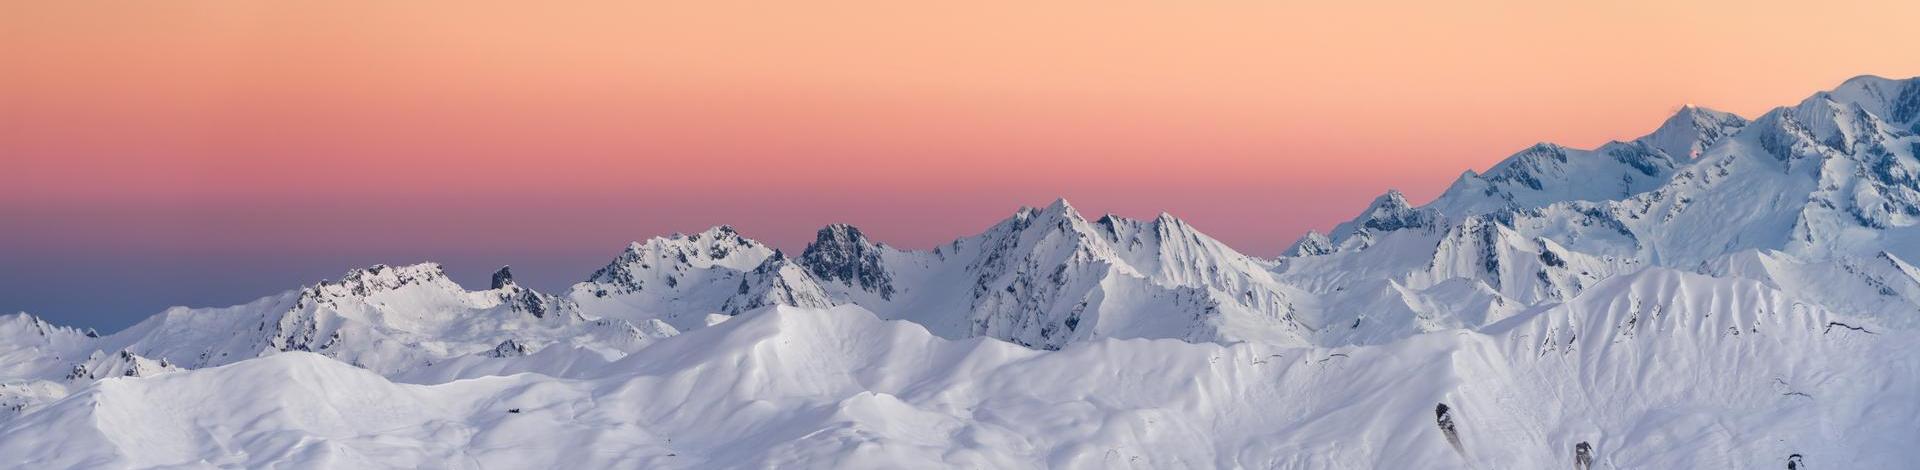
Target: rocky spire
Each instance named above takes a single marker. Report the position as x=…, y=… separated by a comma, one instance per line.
x=839, y=252
x=503, y=277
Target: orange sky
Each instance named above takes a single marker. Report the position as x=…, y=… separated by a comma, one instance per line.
x=568, y=128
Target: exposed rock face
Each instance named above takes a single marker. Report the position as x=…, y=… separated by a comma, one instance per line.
x=509, y=348
x=840, y=253
x=502, y=278
x=122, y=364
x=1391, y=212
x=665, y=263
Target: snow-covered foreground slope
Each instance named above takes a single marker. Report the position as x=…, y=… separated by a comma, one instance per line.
x=1659, y=369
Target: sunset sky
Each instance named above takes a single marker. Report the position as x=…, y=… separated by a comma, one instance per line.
x=208, y=153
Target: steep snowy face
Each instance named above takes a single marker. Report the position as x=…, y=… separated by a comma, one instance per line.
x=1475, y=271
x=1822, y=178
x=32, y=349
x=1525, y=269
x=1047, y=277
x=1313, y=243
x=1169, y=251
x=1387, y=213
x=1882, y=288
x=681, y=279
x=1459, y=262
x=1044, y=277
x=1548, y=173
x=1830, y=177
x=1864, y=169
x=664, y=263
x=41, y=362
x=1531, y=167
x=1897, y=101
x=1034, y=276
x=776, y=281
x=1689, y=133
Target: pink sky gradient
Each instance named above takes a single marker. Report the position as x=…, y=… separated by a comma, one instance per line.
x=513, y=130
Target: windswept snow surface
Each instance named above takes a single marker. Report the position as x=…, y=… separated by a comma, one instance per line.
x=1659, y=369
x=1721, y=293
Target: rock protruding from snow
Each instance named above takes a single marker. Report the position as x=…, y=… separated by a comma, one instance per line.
x=1897, y=101
x=681, y=279
x=1312, y=244
x=509, y=348
x=664, y=263
x=385, y=318
x=1832, y=178
x=1391, y=212
x=776, y=282
x=122, y=364
x=840, y=253
x=502, y=278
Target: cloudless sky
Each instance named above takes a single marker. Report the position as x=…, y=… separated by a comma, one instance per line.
x=208, y=153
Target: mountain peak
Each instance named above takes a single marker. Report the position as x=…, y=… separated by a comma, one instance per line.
x=1894, y=100
x=1691, y=130
x=1313, y=243
x=503, y=277
x=665, y=259
x=839, y=233
x=841, y=253
x=380, y=278
x=382, y=272
x=717, y=242
x=1388, y=212
x=1391, y=201
x=1869, y=84
x=1060, y=213
x=1528, y=166
x=1832, y=119
x=717, y=233
x=1060, y=206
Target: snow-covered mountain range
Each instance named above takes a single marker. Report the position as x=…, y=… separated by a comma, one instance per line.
x=1722, y=292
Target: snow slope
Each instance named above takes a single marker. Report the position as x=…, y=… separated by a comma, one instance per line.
x=1659, y=369
x=390, y=320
